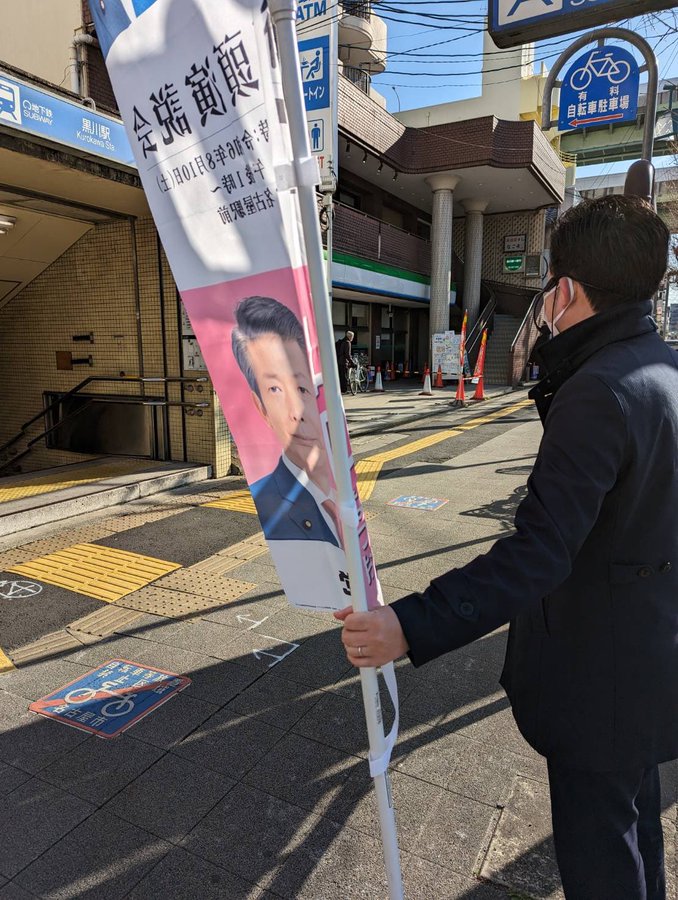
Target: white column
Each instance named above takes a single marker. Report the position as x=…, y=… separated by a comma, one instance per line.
x=473, y=257
x=441, y=251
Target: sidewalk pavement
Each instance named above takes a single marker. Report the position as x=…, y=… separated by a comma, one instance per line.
x=402, y=402
x=253, y=782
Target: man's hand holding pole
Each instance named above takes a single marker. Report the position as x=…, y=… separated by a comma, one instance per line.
x=371, y=638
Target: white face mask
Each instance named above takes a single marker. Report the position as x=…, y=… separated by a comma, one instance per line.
x=555, y=319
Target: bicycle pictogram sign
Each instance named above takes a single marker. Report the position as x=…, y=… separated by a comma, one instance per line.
x=600, y=88
x=107, y=700
x=600, y=64
x=16, y=590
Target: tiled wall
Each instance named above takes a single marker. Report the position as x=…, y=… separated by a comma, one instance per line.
x=92, y=288
x=495, y=229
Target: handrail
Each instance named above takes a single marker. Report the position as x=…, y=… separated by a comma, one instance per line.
x=525, y=338
x=134, y=379
x=531, y=316
x=482, y=320
x=137, y=401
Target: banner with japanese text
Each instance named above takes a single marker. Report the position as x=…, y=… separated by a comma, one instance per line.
x=198, y=86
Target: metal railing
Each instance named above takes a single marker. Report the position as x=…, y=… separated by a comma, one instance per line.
x=12, y=456
x=369, y=238
x=482, y=322
x=525, y=339
x=361, y=78
x=360, y=8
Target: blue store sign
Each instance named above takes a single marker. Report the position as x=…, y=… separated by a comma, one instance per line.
x=46, y=115
x=600, y=88
x=107, y=700
x=314, y=59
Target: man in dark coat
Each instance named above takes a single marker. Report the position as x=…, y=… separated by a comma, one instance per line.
x=345, y=359
x=589, y=579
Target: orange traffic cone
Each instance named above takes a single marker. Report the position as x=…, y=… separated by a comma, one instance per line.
x=378, y=385
x=460, y=398
x=406, y=373
x=423, y=375
x=439, y=377
x=426, y=392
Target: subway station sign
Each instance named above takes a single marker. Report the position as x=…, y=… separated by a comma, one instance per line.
x=515, y=22
x=45, y=115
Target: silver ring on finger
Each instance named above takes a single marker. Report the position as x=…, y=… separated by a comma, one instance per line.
x=360, y=651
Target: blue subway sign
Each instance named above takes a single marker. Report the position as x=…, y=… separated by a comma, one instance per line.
x=46, y=115
x=108, y=700
x=515, y=22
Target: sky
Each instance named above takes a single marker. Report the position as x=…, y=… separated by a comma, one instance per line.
x=435, y=53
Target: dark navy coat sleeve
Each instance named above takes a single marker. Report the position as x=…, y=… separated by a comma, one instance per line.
x=582, y=452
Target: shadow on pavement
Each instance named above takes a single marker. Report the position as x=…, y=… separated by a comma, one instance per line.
x=254, y=779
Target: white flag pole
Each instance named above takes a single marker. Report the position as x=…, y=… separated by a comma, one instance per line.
x=283, y=13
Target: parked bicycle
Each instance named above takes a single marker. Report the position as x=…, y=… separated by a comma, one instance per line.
x=357, y=375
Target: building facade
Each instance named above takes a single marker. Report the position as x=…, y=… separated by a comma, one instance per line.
x=427, y=219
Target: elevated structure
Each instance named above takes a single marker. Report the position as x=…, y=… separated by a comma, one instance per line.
x=615, y=143
x=589, y=187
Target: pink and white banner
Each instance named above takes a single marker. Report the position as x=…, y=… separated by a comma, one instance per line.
x=198, y=86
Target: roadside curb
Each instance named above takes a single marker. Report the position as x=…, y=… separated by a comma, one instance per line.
x=60, y=505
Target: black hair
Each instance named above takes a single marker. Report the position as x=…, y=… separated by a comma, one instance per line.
x=616, y=247
x=255, y=317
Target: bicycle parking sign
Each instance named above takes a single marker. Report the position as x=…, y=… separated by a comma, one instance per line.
x=108, y=700
x=600, y=88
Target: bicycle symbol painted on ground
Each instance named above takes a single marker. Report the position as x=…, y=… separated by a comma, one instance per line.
x=600, y=64
x=120, y=705
x=17, y=590
x=109, y=699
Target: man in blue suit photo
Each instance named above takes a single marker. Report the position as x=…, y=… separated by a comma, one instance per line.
x=296, y=500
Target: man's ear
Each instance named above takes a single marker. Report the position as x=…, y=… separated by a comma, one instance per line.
x=259, y=406
x=568, y=290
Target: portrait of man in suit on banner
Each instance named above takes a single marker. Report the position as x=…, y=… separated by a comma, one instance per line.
x=296, y=500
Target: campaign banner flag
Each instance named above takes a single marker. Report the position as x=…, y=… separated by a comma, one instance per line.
x=198, y=86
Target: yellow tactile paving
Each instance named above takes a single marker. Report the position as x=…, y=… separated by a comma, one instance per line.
x=189, y=597
x=32, y=485
x=6, y=664
x=236, y=501
x=368, y=469
x=104, y=573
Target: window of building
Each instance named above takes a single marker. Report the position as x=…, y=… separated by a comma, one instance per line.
x=348, y=198
x=360, y=315
x=392, y=216
x=424, y=229
x=339, y=313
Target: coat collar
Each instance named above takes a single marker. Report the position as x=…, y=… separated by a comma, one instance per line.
x=565, y=353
